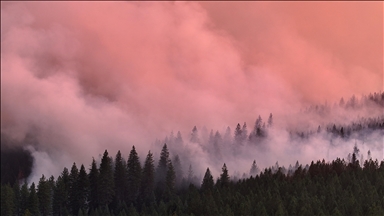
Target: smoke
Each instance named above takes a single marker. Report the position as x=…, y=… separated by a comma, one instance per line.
x=83, y=77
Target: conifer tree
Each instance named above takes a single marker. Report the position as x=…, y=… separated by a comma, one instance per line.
x=161, y=170
x=44, y=195
x=170, y=178
x=24, y=194
x=60, y=196
x=120, y=178
x=134, y=175
x=73, y=190
x=179, y=140
x=258, y=126
x=224, y=177
x=227, y=136
x=16, y=192
x=7, y=200
x=106, y=186
x=208, y=183
x=190, y=174
x=178, y=171
x=270, y=120
x=33, y=200
x=83, y=189
x=254, y=169
x=148, y=179
x=94, y=185
x=244, y=132
x=238, y=134
x=195, y=135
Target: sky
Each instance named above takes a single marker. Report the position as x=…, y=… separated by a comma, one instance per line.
x=83, y=77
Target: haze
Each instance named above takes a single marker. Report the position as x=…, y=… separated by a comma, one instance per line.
x=83, y=77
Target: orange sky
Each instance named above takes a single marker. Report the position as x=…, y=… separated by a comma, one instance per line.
x=337, y=45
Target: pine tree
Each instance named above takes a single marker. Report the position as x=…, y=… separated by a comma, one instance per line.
x=134, y=175
x=161, y=171
x=24, y=194
x=94, y=186
x=254, y=169
x=244, y=132
x=238, y=134
x=16, y=192
x=148, y=179
x=178, y=171
x=106, y=186
x=170, y=178
x=7, y=200
x=73, y=190
x=224, y=177
x=208, y=183
x=179, y=140
x=33, y=200
x=195, y=135
x=120, y=178
x=258, y=126
x=217, y=140
x=60, y=195
x=44, y=195
x=257, y=131
x=227, y=136
x=83, y=188
x=270, y=120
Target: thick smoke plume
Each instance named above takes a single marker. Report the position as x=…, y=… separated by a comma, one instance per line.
x=82, y=77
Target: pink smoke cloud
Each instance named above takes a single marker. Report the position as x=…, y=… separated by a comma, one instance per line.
x=97, y=75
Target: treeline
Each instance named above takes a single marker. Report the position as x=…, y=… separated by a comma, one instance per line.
x=126, y=187
x=375, y=99
x=356, y=129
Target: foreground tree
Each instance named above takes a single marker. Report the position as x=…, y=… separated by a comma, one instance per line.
x=134, y=176
x=33, y=200
x=73, y=190
x=24, y=194
x=161, y=171
x=106, y=186
x=224, y=177
x=83, y=189
x=44, y=195
x=94, y=186
x=208, y=183
x=148, y=180
x=120, y=178
x=7, y=200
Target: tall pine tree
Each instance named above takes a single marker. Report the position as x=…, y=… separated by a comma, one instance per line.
x=134, y=175
x=224, y=177
x=208, y=183
x=44, y=195
x=33, y=200
x=106, y=186
x=161, y=171
x=94, y=186
x=120, y=177
x=148, y=179
x=83, y=189
x=73, y=190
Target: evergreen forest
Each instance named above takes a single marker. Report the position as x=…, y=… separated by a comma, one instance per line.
x=160, y=185
x=126, y=187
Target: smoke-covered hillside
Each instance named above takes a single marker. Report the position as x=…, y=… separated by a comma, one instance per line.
x=357, y=122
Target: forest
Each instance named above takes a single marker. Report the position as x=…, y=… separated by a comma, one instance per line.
x=114, y=185
x=119, y=187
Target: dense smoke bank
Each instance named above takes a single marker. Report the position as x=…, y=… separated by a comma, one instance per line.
x=16, y=162
x=80, y=77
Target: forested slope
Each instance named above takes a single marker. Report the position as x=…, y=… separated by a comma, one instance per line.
x=119, y=187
